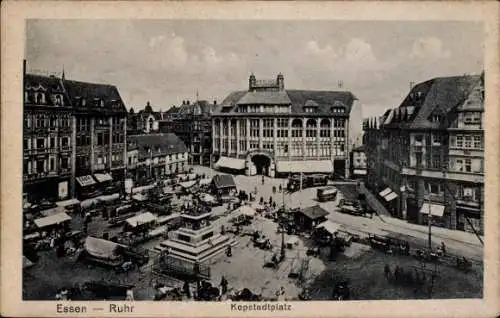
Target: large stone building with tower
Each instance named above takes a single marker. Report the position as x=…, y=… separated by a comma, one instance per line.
x=269, y=130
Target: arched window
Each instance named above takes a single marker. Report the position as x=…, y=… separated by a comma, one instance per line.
x=311, y=128
x=324, y=128
x=150, y=123
x=297, y=128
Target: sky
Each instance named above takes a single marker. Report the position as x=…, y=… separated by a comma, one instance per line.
x=168, y=61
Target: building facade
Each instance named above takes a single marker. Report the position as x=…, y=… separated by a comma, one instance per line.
x=193, y=124
x=358, y=164
x=270, y=130
x=71, y=131
x=427, y=156
x=156, y=155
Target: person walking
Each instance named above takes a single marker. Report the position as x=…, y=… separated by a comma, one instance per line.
x=387, y=271
x=223, y=284
x=262, y=179
x=280, y=188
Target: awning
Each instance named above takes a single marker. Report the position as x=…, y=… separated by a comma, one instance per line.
x=68, y=202
x=85, y=181
x=102, y=177
x=245, y=210
x=306, y=166
x=107, y=198
x=359, y=171
x=231, y=163
x=52, y=220
x=329, y=226
x=101, y=248
x=205, y=181
x=385, y=192
x=391, y=196
x=53, y=211
x=435, y=209
x=187, y=184
x=143, y=188
x=139, y=197
x=143, y=218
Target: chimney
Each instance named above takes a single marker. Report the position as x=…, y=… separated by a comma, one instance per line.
x=187, y=102
x=215, y=102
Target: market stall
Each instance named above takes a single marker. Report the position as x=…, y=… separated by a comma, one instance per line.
x=71, y=205
x=59, y=219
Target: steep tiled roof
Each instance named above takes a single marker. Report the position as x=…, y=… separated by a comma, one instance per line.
x=224, y=181
x=436, y=96
x=93, y=93
x=166, y=144
x=297, y=99
x=314, y=212
x=48, y=84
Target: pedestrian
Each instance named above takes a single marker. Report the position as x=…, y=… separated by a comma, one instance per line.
x=223, y=284
x=58, y=295
x=262, y=179
x=229, y=251
x=443, y=247
x=274, y=189
x=387, y=271
x=129, y=295
x=280, y=188
x=187, y=290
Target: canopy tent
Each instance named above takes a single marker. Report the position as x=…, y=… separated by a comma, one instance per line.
x=139, y=197
x=166, y=218
x=305, y=166
x=205, y=197
x=85, y=181
x=205, y=181
x=245, y=210
x=360, y=172
x=231, y=163
x=258, y=207
x=107, y=198
x=187, y=184
x=222, y=181
x=329, y=226
x=26, y=262
x=143, y=218
x=103, y=177
x=101, y=248
x=143, y=188
x=292, y=240
x=385, y=192
x=391, y=196
x=68, y=202
x=435, y=209
x=52, y=220
x=89, y=202
x=52, y=211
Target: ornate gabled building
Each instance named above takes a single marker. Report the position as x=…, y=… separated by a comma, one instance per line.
x=270, y=130
x=72, y=130
x=426, y=156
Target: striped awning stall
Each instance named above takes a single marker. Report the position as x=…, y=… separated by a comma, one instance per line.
x=103, y=177
x=385, y=192
x=85, y=181
x=306, y=166
x=391, y=196
x=435, y=209
x=231, y=163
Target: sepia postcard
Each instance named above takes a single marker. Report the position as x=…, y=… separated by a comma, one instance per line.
x=249, y=159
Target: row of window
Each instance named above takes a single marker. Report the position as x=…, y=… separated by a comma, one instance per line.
x=469, y=141
x=46, y=143
x=281, y=122
x=46, y=121
x=40, y=98
x=45, y=165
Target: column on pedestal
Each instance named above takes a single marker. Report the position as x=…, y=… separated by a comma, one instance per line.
x=92, y=142
x=125, y=161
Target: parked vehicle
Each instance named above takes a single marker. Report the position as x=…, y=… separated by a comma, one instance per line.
x=308, y=181
x=326, y=194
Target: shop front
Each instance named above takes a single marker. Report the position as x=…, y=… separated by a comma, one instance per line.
x=469, y=219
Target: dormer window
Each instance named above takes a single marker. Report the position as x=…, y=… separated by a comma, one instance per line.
x=58, y=100
x=436, y=118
